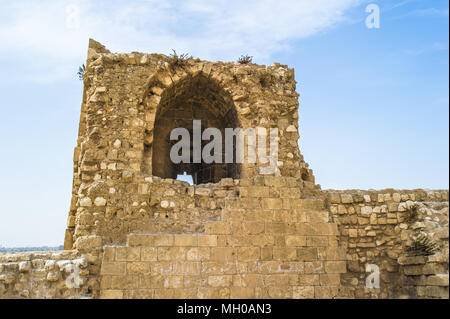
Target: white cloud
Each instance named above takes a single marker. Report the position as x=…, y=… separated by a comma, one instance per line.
x=43, y=34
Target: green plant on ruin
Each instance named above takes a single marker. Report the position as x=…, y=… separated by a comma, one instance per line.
x=178, y=60
x=81, y=71
x=422, y=245
x=245, y=59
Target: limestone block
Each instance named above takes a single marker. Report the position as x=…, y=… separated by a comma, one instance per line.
x=185, y=240
x=217, y=228
x=366, y=210
x=113, y=268
x=330, y=279
x=346, y=198
x=334, y=198
x=111, y=294
x=249, y=253
x=207, y=240
x=88, y=242
x=317, y=241
x=314, y=267
x=331, y=253
x=100, y=201
x=85, y=202
x=138, y=268
x=171, y=253
x=325, y=292
x=307, y=254
x=24, y=266
x=309, y=279
x=220, y=280
x=333, y=267
x=223, y=254
x=272, y=203
x=253, y=228
x=264, y=240
x=295, y=240
x=438, y=280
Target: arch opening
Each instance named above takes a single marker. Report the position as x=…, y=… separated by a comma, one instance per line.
x=193, y=98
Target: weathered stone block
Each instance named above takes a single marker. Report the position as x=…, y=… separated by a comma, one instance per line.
x=346, y=198
x=317, y=217
x=207, y=240
x=214, y=293
x=317, y=241
x=335, y=267
x=307, y=254
x=88, y=242
x=325, y=292
x=438, y=280
x=218, y=228
x=303, y=292
x=309, y=279
x=218, y=268
x=198, y=254
x=224, y=254
x=111, y=294
x=113, y=268
x=138, y=268
x=285, y=254
x=249, y=253
x=262, y=240
x=149, y=254
x=171, y=253
x=253, y=228
x=272, y=203
x=330, y=279
x=295, y=240
x=314, y=267
x=185, y=240
x=334, y=198
x=220, y=281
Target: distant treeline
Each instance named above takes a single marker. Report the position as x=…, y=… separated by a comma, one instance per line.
x=41, y=248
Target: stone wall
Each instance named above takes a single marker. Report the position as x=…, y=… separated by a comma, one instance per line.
x=112, y=210
x=404, y=233
x=61, y=274
x=268, y=242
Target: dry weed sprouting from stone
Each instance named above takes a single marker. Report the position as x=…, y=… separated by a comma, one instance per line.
x=178, y=60
x=422, y=245
x=245, y=59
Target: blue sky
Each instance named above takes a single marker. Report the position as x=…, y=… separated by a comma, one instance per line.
x=373, y=107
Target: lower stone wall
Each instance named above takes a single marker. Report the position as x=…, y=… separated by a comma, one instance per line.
x=403, y=233
x=141, y=203
x=60, y=274
x=267, y=242
x=270, y=252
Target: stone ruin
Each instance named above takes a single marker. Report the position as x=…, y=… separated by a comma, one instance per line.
x=135, y=231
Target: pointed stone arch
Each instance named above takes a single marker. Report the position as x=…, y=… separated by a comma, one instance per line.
x=174, y=98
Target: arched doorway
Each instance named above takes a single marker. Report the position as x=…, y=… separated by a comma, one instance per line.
x=193, y=98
